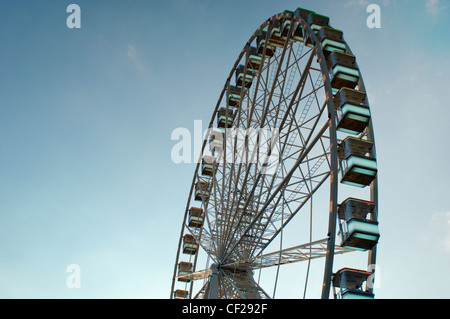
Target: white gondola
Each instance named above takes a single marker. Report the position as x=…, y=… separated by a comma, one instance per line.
x=244, y=77
x=317, y=21
x=275, y=38
x=268, y=50
x=216, y=141
x=234, y=97
x=184, y=269
x=353, y=114
x=348, y=284
x=225, y=118
x=202, y=191
x=344, y=72
x=358, y=229
x=357, y=166
x=180, y=294
x=254, y=60
x=331, y=40
x=195, y=217
x=190, y=245
x=209, y=165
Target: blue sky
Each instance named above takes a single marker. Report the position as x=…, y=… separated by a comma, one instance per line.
x=86, y=117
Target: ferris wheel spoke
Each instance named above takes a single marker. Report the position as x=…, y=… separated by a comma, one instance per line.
x=272, y=90
x=310, y=173
x=284, y=182
x=299, y=87
x=275, y=216
x=312, y=250
x=300, y=202
x=267, y=218
x=212, y=216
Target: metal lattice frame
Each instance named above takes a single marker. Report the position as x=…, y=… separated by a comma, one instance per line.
x=290, y=96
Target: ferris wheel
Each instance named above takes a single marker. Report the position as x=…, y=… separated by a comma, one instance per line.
x=292, y=123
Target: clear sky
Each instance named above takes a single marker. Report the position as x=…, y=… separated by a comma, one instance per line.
x=86, y=117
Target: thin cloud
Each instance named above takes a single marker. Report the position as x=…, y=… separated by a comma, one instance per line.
x=441, y=227
x=432, y=6
x=365, y=3
x=134, y=58
x=357, y=2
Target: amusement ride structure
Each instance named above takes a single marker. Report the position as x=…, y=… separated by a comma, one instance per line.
x=292, y=122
